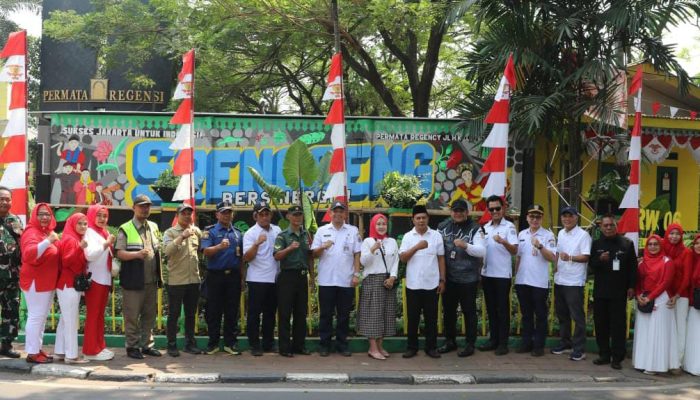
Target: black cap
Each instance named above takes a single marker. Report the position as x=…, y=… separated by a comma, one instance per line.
x=184, y=206
x=338, y=204
x=142, y=199
x=419, y=209
x=261, y=205
x=535, y=209
x=460, y=204
x=569, y=210
x=74, y=137
x=223, y=206
x=295, y=210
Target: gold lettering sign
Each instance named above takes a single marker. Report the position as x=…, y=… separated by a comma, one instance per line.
x=98, y=89
x=100, y=92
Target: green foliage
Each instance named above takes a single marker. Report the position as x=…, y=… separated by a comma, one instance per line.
x=166, y=179
x=611, y=186
x=276, y=193
x=310, y=223
x=299, y=165
x=400, y=191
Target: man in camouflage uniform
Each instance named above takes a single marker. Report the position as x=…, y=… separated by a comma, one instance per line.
x=10, y=230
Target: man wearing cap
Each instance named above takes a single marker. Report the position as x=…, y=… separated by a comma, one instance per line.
x=258, y=246
x=294, y=255
x=536, y=249
x=181, y=244
x=137, y=246
x=337, y=245
x=222, y=244
x=613, y=264
x=465, y=247
x=573, y=251
x=501, y=246
x=423, y=251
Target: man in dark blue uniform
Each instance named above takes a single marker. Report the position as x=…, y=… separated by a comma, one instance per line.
x=222, y=244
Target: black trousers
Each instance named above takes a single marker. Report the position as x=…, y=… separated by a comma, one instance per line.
x=497, y=296
x=425, y=301
x=568, y=303
x=223, y=299
x=179, y=295
x=463, y=294
x=262, y=299
x=292, y=302
x=338, y=299
x=533, y=307
x=610, y=319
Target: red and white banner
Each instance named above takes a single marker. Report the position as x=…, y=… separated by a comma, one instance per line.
x=337, y=187
x=184, y=140
x=14, y=151
x=629, y=222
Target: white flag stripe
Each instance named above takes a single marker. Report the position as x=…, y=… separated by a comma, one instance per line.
x=335, y=186
x=498, y=138
x=182, y=192
x=181, y=92
x=13, y=69
x=495, y=185
x=635, y=148
x=13, y=178
x=338, y=136
x=638, y=101
x=182, y=138
x=502, y=93
x=634, y=237
x=16, y=125
x=674, y=111
x=631, y=198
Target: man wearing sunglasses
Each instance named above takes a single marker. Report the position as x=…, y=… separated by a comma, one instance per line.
x=501, y=246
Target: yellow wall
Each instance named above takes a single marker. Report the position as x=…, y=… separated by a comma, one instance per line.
x=4, y=97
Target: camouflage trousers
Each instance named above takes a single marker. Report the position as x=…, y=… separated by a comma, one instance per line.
x=9, y=305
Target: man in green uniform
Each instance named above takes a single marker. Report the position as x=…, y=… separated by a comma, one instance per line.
x=293, y=252
x=10, y=230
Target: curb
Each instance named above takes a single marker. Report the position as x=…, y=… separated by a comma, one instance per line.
x=253, y=377
x=442, y=379
x=317, y=378
x=492, y=378
x=186, y=378
x=380, y=378
x=119, y=376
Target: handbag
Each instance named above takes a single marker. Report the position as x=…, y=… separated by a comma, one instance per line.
x=647, y=308
x=696, y=298
x=81, y=282
x=386, y=268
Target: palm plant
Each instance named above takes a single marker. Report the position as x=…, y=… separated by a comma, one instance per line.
x=568, y=55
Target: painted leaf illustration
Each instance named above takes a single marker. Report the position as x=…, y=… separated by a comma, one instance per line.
x=299, y=165
x=324, y=175
x=106, y=167
x=312, y=137
x=276, y=193
x=280, y=137
x=449, y=149
x=242, y=226
x=229, y=139
x=117, y=150
x=63, y=213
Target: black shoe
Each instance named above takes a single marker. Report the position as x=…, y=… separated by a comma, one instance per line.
x=488, y=346
x=344, y=351
x=213, y=349
x=601, y=361
x=286, y=354
x=134, y=353
x=256, y=352
x=272, y=349
x=173, y=351
x=150, y=351
x=447, y=347
x=616, y=365
x=524, y=349
x=303, y=352
x=432, y=353
x=323, y=352
x=501, y=351
x=410, y=353
x=537, y=352
x=6, y=350
x=468, y=351
x=192, y=348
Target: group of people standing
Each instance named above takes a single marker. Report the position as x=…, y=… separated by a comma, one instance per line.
x=277, y=267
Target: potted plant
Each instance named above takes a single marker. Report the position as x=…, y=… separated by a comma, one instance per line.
x=400, y=191
x=165, y=185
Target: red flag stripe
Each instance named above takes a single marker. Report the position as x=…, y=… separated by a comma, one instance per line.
x=16, y=44
x=183, y=115
x=496, y=162
x=18, y=98
x=336, y=114
x=636, y=81
x=629, y=222
x=510, y=73
x=183, y=162
x=337, y=161
x=336, y=67
x=14, y=150
x=498, y=113
x=19, y=202
x=634, y=172
x=187, y=65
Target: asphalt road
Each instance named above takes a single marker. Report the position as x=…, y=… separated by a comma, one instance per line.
x=24, y=387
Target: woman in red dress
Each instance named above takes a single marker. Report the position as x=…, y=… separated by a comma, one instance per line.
x=680, y=295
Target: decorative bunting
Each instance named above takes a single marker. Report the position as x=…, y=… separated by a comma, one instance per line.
x=655, y=107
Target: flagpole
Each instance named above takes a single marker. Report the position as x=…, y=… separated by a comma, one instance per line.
x=192, y=135
x=336, y=45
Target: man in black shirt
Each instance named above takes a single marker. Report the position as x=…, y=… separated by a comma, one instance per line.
x=613, y=264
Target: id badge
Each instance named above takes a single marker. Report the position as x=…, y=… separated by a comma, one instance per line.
x=616, y=264
x=238, y=251
x=346, y=248
x=453, y=255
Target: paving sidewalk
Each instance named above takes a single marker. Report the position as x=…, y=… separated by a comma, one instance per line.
x=481, y=368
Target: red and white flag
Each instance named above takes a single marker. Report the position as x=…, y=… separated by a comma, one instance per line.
x=14, y=152
x=184, y=140
x=499, y=116
x=629, y=222
x=337, y=187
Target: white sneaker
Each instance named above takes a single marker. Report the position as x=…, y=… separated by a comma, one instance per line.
x=104, y=355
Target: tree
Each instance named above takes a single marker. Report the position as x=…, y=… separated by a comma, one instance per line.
x=567, y=56
x=273, y=55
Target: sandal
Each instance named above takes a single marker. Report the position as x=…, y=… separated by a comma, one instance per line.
x=384, y=353
x=376, y=356
x=38, y=359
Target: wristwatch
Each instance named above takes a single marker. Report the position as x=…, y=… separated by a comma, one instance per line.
x=540, y=246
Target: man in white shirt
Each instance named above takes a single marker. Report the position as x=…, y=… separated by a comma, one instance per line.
x=337, y=246
x=423, y=251
x=536, y=249
x=258, y=245
x=573, y=252
x=501, y=246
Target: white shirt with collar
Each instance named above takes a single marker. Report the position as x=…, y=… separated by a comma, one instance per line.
x=263, y=268
x=373, y=263
x=575, y=242
x=533, y=269
x=335, y=266
x=499, y=262
x=423, y=270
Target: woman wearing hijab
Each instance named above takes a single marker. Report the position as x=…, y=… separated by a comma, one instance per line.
x=674, y=249
x=655, y=348
x=73, y=263
x=99, y=257
x=691, y=361
x=37, y=277
x=377, y=311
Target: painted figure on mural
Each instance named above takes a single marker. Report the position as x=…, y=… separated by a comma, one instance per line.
x=72, y=156
x=82, y=188
x=469, y=190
